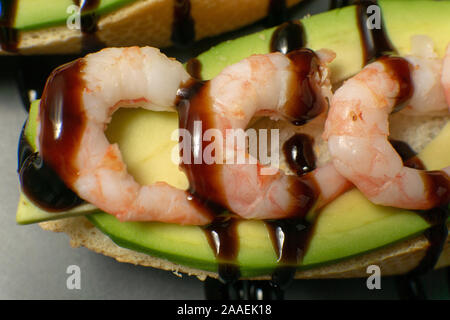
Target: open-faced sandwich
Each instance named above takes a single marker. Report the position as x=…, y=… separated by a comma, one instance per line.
x=350, y=169
x=74, y=26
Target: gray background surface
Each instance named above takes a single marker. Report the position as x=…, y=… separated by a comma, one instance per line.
x=33, y=262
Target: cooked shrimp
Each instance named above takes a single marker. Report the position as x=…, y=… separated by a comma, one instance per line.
x=294, y=88
x=428, y=96
x=357, y=130
x=446, y=75
x=112, y=78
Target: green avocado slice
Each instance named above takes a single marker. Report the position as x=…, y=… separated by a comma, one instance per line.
x=349, y=226
x=36, y=14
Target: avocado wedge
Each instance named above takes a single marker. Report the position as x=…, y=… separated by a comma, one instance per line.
x=349, y=226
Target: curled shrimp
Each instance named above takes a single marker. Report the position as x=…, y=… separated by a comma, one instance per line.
x=294, y=88
x=78, y=102
x=357, y=131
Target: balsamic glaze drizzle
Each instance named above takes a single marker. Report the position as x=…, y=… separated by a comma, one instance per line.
x=290, y=239
x=241, y=290
x=409, y=286
x=24, y=149
x=436, y=236
x=375, y=42
x=40, y=183
x=9, y=37
x=223, y=239
x=43, y=176
x=400, y=70
x=62, y=119
x=408, y=155
x=89, y=25
x=193, y=105
x=288, y=37
x=299, y=153
x=307, y=104
x=183, y=26
x=194, y=68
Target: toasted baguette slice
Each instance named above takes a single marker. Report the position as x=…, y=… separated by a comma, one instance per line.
x=148, y=22
x=398, y=258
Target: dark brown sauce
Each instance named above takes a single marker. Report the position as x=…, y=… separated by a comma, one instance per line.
x=62, y=119
x=194, y=68
x=308, y=192
x=290, y=240
x=223, y=239
x=305, y=103
x=409, y=285
x=438, y=187
x=409, y=288
x=399, y=69
x=89, y=25
x=288, y=37
x=183, y=26
x=408, y=155
x=375, y=42
x=44, y=176
x=299, y=153
x=24, y=149
x=194, y=105
x=222, y=236
x=9, y=37
x=291, y=237
x=241, y=290
x=437, y=182
x=436, y=236
x=87, y=5
x=277, y=12
x=40, y=183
